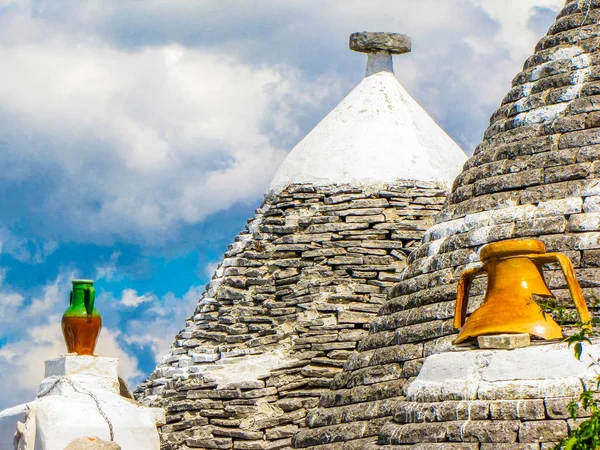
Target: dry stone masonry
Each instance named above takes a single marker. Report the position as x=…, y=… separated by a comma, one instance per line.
x=300, y=285
x=294, y=294
x=536, y=174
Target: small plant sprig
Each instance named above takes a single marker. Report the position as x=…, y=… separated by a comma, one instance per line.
x=560, y=313
x=587, y=435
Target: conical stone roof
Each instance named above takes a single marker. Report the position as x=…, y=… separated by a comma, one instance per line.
x=376, y=135
x=536, y=174
x=297, y=289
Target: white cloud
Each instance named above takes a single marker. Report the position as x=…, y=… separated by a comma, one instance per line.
x=32, y=326
x=163, y=320
x=53, y=294
x=209, y=269
x=19, y=311
x=182, y=129
x=130, y=298
x=513, y=17
x=108, y=271
x=22, y=363
x=153, y=138
x=10, y=303
x=23, y=250
x=109, y=347
x=147, y=138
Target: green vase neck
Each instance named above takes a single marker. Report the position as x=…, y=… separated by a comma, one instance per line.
x=82, y=298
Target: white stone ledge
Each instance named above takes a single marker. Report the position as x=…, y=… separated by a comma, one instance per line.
x=539, y=371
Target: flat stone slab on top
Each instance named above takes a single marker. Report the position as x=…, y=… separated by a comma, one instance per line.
x=91, y=372
x=82, y=364
x=504, y=341
x=370, y=42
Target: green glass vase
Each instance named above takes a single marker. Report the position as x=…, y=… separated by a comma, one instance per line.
x=81, y=322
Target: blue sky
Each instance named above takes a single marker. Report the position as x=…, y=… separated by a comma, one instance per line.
x=136, y=138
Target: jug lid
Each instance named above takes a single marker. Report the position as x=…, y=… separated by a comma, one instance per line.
x=511, y=247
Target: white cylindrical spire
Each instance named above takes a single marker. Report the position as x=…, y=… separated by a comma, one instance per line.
x=379, y=62
x=380, y=47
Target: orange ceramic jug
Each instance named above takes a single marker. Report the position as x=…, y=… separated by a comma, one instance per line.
x=514, y=272
x=81, y=322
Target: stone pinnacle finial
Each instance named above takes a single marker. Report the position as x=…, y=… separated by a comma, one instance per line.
x=380, y=47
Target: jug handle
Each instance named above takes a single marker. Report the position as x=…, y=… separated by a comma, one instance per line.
x=569, y=273
x=462, y=295
x=89, y=299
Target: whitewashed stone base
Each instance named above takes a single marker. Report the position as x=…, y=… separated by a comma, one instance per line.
x=64, y=412
x=541, y=371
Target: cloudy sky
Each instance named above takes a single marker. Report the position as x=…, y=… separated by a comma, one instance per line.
x=136, y=138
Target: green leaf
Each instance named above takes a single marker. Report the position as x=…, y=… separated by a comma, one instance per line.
x=570, y=443
x=578, y=349
x=573, y=409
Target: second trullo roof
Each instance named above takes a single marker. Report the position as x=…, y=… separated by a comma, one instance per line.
x=535, y=175
x=377, y=134
x=295, y=292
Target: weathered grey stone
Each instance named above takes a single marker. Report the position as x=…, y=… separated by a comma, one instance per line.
x=444, y=446
x=459, y=410
x=92, y=443
x=368, y=375
x=504, y=341
x=281, y=432
x=354, y=317
x=317, y=261
x=219, y=443
x=413, y=433
x=368, y=42
x=558, y=408
x=412, y=368
x=542, y=431
x=534, y=175
x=483, y=431
x=373, y=392
x=498, y=446
x=249, y=445
x=529, y=389
x=517, y=410
x=337, y=433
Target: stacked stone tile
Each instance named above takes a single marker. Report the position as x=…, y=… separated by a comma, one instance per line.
x=536, y=174
x=298, y=288
x=294, y=294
